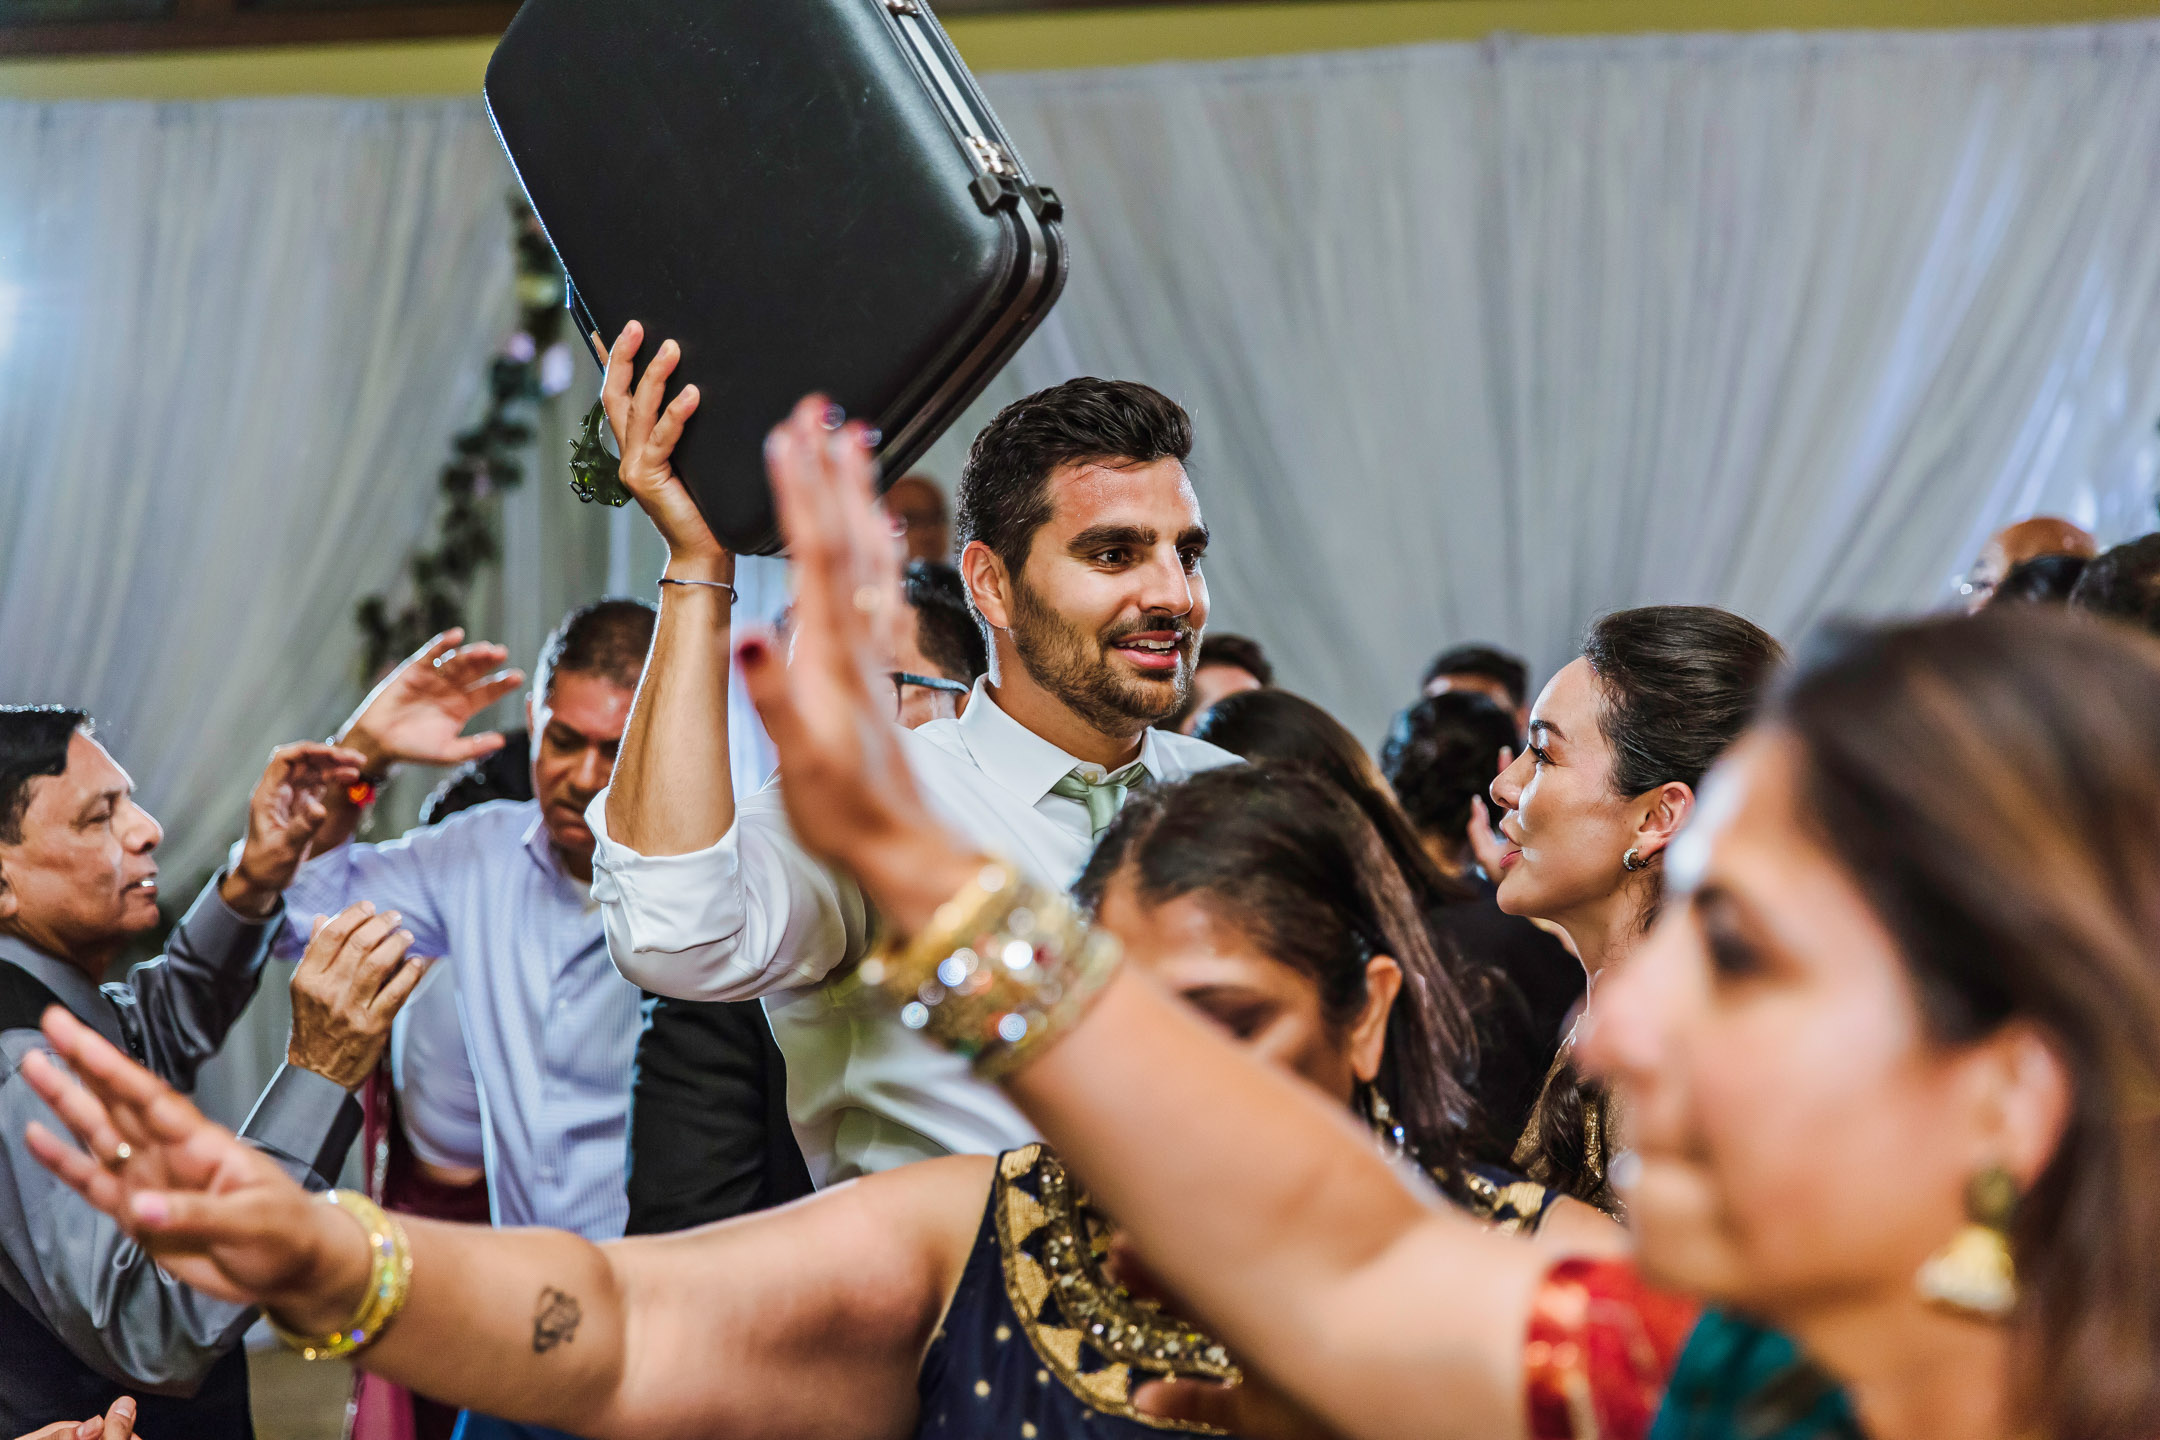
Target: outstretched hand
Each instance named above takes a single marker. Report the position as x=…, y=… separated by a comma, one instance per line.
x=213, y=1212
x=419, y=712
x=646, y=431
x=843, y=775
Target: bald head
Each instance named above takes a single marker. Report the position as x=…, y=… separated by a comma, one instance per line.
x=2013, y=545
x=919, y=506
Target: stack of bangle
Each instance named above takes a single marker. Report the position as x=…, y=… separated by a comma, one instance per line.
x=389, y=1283
x=1004, y=967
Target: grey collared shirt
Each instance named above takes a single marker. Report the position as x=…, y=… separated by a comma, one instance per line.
x=69, y=1264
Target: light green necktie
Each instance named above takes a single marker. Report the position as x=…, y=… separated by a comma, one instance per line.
x=1103, y=798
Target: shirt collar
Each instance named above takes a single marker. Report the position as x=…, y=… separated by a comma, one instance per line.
x=542, y=849
x=77, y=991
x=1018, y=758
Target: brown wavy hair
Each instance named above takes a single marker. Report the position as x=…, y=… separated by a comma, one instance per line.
x=1992, y=785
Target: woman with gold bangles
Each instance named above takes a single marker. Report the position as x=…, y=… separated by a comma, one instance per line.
x=1288, y=928
x=1892, y=1061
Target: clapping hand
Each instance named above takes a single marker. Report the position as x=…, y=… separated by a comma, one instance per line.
x=843, y=775
x=213, y=1212
x=419, y=712
x=285, y=814
x=347, y=988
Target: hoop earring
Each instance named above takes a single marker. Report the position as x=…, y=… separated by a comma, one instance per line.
x=1633, y=862
x=1393, y=1141
x=1975, y=1274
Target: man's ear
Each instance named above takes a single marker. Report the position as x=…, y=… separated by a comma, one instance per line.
x=9, y=902
x=1368, y=1034
x=1664, y=811
x=988, y=584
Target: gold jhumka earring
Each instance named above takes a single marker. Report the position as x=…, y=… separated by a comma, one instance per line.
x=1975, y=1273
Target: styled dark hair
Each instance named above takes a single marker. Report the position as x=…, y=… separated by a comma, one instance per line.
x=946, y=629
x=1487, y=663
x=1274, y=729
x=1004, y=493
x=33, y=743
x=2042, y=580
x=2124, y=584
x=1679, y=682
x=607, y=638
x=1992, y=784
x=1236, y=650
x=1442, y=753
x=1287, y=859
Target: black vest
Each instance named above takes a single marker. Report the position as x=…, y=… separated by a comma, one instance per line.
x=42, y=1381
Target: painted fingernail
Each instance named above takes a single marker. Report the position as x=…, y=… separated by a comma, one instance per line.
x=835, y=417
x=872, y=437
x=151, y=1208
x=751, y=652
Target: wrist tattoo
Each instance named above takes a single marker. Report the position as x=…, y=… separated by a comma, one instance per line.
x=555, y=1319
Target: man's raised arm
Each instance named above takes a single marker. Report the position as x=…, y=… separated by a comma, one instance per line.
x=672, y=792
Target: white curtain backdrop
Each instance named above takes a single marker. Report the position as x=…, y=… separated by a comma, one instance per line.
x=1481, y=341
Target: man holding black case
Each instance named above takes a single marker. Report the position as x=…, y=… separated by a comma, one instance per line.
x=1081, y=545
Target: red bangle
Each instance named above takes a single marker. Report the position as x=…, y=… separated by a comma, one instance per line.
x=1601, y=1347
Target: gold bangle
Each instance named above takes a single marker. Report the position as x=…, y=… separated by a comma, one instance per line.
x=389, y=1283
x=1003, y=968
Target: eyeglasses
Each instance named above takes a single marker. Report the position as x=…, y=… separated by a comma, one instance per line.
x=901, y=679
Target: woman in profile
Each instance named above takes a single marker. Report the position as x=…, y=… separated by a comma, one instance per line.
x=1619, y=742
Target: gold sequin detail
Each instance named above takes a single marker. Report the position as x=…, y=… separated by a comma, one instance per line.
x=1101, y=1341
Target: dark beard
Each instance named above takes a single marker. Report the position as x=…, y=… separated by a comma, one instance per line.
x=1071, y=664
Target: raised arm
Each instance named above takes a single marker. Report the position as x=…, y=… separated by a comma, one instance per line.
x=1259, y=1204
x=672, y=792
x=807, y=1320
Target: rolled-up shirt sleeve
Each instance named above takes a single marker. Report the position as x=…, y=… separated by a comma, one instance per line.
x=748, y=916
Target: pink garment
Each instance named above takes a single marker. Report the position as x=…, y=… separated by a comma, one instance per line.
x=379, y=1409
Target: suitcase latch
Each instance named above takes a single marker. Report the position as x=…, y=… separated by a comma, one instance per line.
x=903, y=7
x=988, y=154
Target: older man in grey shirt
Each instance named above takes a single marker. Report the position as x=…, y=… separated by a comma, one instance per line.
x=85, y=1316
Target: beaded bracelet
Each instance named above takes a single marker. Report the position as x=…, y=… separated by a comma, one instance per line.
x=1004, y=967
x=389, y=1283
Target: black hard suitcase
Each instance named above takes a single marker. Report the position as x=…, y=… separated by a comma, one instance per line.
x=807, y=195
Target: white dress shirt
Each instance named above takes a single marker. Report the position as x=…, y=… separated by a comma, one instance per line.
x=755, y=915
x=550, y=1028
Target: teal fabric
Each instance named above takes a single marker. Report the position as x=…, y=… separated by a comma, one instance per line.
x=1103, y=798
x=1738, y=1381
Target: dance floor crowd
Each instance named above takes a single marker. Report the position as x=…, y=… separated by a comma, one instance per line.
x=1083, y=1036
